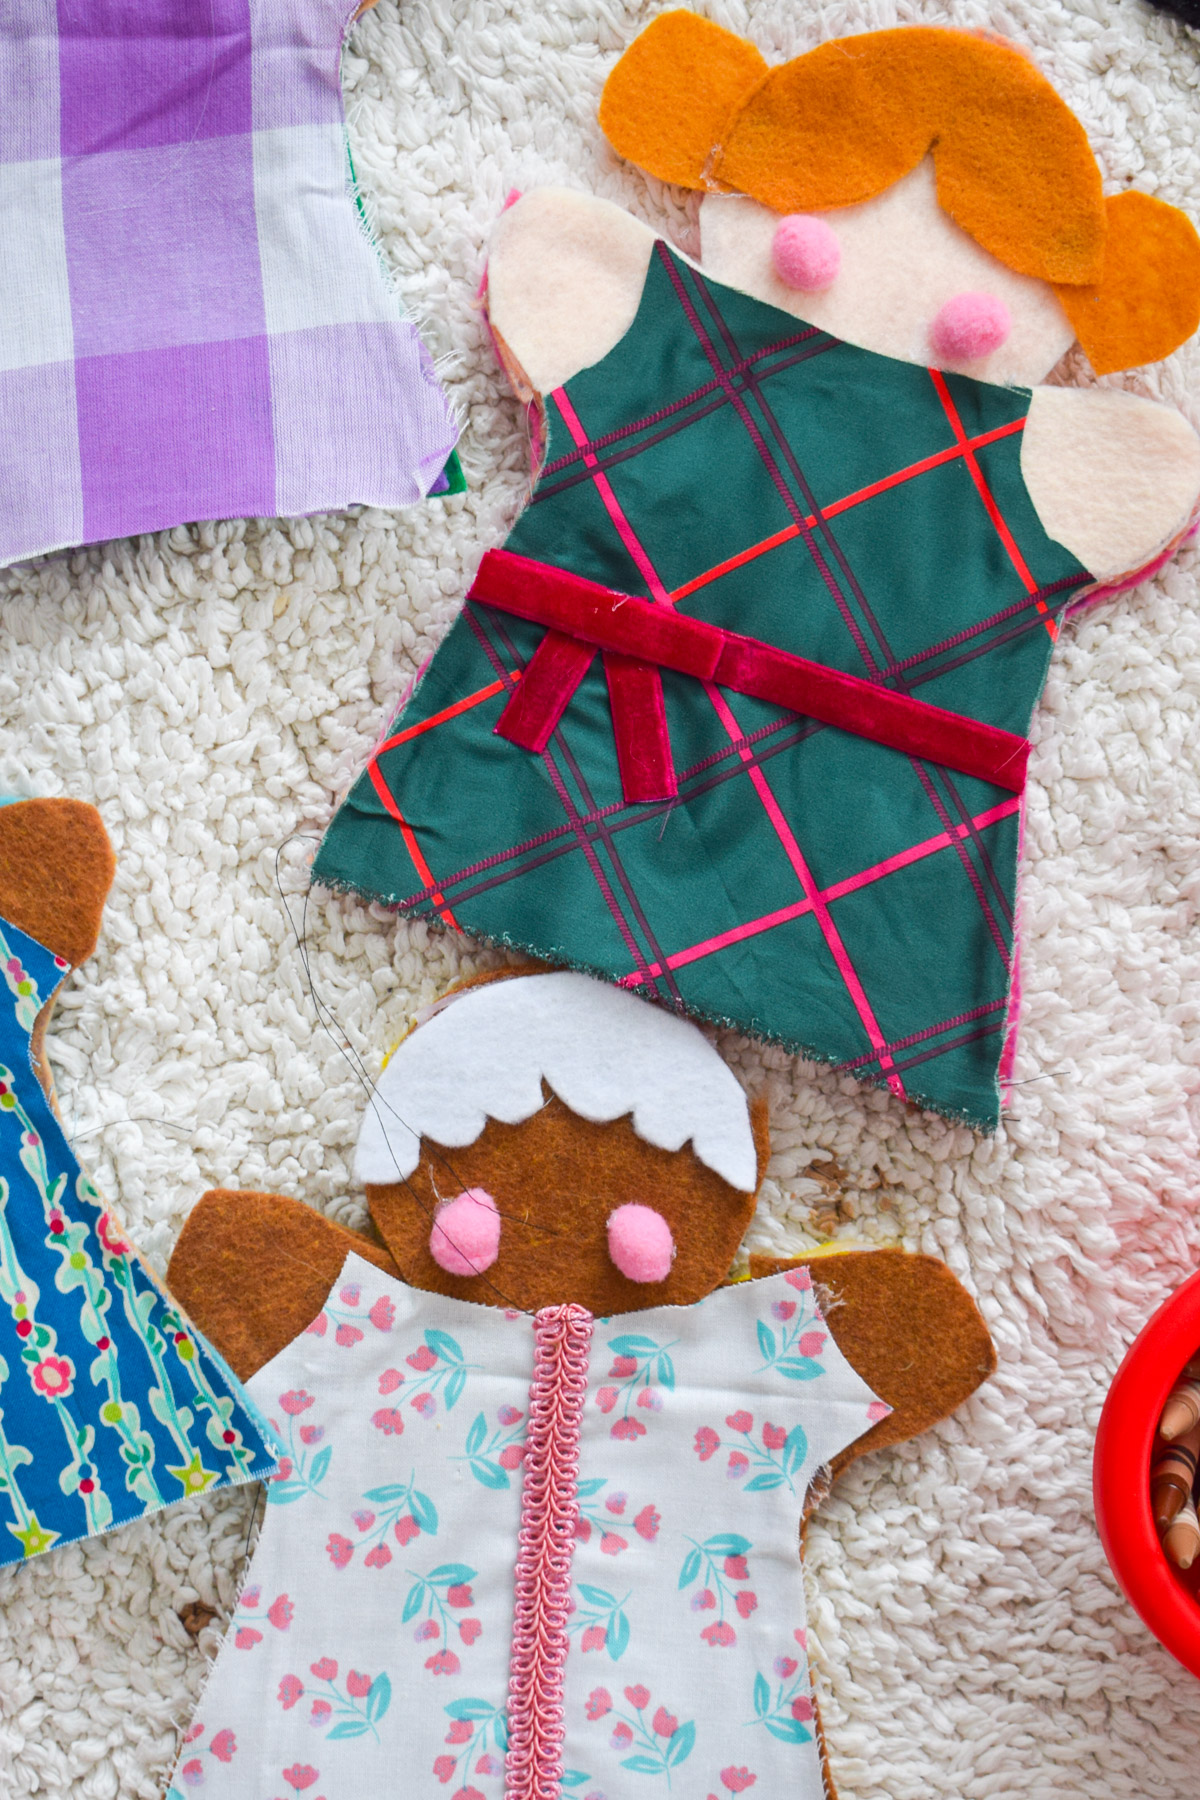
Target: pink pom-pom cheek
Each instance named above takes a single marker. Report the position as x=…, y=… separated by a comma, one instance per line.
x=970, y=326
x=640, y=1243
x=465, y=1237
x=806, y=253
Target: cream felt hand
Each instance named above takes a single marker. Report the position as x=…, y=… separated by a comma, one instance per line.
x=1113, y=477
x=565, y=276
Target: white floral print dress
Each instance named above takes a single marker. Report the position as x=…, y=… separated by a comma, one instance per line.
x=373, y=1635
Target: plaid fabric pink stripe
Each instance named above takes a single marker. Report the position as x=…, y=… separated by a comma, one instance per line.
x=194, y=321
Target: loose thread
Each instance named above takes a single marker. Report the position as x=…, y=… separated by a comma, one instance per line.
x=326, y=1018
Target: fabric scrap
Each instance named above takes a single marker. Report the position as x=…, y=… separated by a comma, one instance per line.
x=111, y=1405
x=1083, y=446
x=733, y=464
x=629, y=630
x=255, y=1268
x=877, y=1299
x=603, y=1053
x=675, y=93
x=564, y=276
x=195, y=322
x=56, y=867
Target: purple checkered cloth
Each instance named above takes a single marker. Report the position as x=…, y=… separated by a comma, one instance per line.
x=194, y=321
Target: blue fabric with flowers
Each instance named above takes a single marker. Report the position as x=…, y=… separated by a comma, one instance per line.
x=111, y=1405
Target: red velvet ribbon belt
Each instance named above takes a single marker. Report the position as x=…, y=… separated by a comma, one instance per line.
x=640, y=637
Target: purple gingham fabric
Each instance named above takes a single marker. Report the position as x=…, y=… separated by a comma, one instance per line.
x=194, y=322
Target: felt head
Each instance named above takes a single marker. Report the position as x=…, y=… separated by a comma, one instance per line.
x=548, y=1138
x=944, y=168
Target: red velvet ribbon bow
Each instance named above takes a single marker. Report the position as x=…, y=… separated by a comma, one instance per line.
x=639, y=637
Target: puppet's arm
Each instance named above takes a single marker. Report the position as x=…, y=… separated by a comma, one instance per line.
x=56, y=867
x=877, y=1302
x=252, y=1270
x=565, y=278
x=1113, y=477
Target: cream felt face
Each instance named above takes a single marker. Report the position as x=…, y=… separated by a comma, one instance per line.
x=903, y=266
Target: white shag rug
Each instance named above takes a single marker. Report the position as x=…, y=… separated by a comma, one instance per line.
x=214, y=689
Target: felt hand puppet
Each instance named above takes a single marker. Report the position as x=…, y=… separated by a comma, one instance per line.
x=111, y=1404
x=195, y=322
x=738, y=716
x=536, y=1530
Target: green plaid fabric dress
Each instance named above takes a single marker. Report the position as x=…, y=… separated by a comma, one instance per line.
x=807, y=885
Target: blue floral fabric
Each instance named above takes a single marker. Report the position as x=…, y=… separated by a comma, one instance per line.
x=111, y=1405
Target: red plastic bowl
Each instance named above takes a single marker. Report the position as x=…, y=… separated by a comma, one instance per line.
x=1167, y=1600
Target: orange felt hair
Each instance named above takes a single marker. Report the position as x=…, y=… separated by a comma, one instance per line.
x=674, y=93
x=1147, y=302
x=695, y=105
x=843, y=122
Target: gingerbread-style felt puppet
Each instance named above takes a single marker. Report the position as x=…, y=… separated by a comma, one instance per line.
x=536, y=1531
x=111, y=1404
x=738, y=717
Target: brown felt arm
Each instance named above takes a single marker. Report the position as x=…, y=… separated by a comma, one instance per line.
x=253, y=1270
x=909, y=1328
x=56, y=867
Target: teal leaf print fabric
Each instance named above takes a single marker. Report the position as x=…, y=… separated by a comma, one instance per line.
x=387, y=1558
x=704, y=1426
x=111, y=1405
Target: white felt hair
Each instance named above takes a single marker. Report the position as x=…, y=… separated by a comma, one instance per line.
x=902, y=259
x=565, y=278
x=1113, y=477
x=603, y=1052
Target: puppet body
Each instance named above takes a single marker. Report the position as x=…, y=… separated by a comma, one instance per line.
x=112, y=1405
x=194, y=321
x=535, y=1534
x=738, y=717
x=377, y=1626
x=749, y=471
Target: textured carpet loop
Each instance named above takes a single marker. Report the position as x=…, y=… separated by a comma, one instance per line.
x=215, y=689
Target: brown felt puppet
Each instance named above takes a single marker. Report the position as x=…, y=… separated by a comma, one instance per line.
x=555, y=1154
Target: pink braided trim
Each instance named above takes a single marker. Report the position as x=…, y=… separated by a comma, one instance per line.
x=562, y=1339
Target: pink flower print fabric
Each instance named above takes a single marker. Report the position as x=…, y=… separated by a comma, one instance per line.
x=375, y=1628
x=375, y=1625
x=688, y=1674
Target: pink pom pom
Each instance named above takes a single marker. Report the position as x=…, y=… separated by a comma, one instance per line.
x=640, y=1243
x=465, y=1239
x=970, y=326
x=806, y=253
